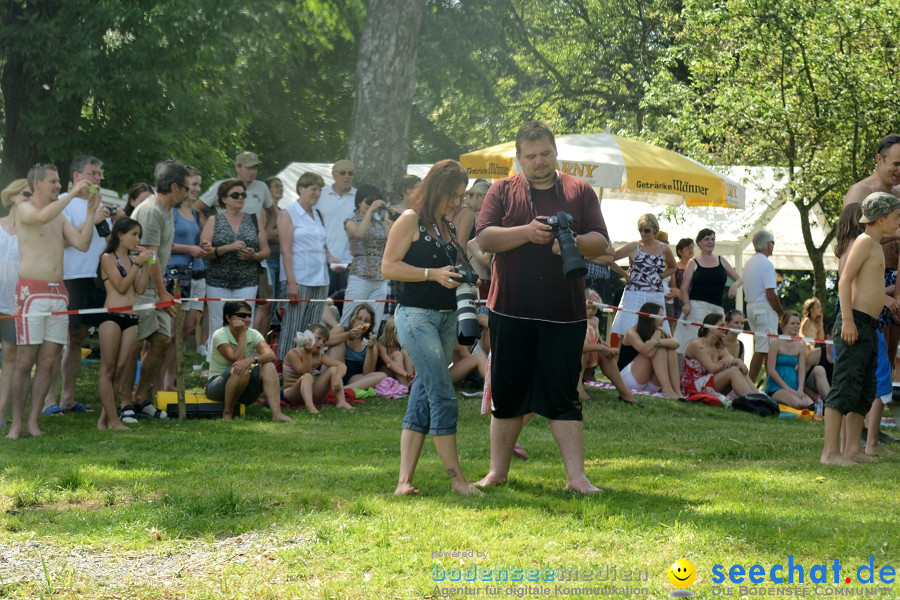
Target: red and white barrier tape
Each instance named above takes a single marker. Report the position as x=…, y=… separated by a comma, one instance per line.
x=151, y=306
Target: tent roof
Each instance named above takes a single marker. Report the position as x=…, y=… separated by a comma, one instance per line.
x=766, y=208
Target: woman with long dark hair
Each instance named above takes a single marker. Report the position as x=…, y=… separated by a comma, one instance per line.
x=421, y=253
x=648, y=357
x=122, y=272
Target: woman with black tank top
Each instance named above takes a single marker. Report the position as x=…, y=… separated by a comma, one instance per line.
x=703, y=286
x=420, y=254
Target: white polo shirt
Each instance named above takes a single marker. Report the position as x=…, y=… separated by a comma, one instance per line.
x=258, y=197
x=78, y=264
x=335, y=210
x=759, y=275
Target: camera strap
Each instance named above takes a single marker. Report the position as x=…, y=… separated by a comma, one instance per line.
x=460, y=255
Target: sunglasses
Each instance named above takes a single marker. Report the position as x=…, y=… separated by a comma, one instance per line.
x=242, y=315
x=646, y=230
x=236, y=195
x=345, y=173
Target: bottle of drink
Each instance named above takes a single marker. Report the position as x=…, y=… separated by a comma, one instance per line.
x=820, y=406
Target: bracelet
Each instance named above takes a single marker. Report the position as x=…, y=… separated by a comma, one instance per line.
x=426, y=273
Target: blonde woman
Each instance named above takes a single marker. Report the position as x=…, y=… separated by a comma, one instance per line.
x=651, y=262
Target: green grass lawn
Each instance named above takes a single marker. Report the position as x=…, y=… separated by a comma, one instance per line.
x=251, y=509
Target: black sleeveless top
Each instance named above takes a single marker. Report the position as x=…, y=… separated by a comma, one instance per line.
x=430, y=252
x=708, y=283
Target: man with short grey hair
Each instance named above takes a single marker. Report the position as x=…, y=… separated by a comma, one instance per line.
x=763, y=306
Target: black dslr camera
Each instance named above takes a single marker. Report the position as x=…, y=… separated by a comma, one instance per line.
x=573, y=264
x=467, y=325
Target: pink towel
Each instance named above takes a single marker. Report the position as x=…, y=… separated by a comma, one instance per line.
x=391, y=388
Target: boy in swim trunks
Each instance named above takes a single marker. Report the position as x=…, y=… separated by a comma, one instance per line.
x=43, y=232
x=861, y=292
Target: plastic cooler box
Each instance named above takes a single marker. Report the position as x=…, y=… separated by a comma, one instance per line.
x=198, y=406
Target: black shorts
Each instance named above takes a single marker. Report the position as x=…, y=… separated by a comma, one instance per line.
x=535, y=366
x=215, y=387
x=853, y=382
x=84, y=293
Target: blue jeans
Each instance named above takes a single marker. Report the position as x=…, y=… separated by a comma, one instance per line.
x=428, y=336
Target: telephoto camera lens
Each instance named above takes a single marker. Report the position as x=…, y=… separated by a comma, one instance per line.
x=468, y=330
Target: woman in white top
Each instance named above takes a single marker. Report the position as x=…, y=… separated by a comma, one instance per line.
x=304, y=260
x=13, y=195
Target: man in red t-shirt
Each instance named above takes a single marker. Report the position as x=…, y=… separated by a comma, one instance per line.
x=538, y=317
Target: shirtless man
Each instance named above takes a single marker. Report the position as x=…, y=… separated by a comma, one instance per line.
x=43, y=233
x=885, y=178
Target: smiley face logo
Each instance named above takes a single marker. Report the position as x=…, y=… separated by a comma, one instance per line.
x=682, y=573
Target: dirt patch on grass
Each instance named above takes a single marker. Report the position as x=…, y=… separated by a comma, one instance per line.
x=25, y=562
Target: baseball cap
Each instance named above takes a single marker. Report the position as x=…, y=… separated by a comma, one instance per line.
x=247, y=159
x=878, y=204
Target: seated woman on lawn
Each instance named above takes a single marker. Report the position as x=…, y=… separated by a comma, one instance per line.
x=819, y=356
x=235, y=374
x=734, y=319
x=394, y=360
x=648, y=357
x=358, y=350
x=708, y=368
x=606, y=356
x=300, y=366
x=123, y=276
x=786, y=365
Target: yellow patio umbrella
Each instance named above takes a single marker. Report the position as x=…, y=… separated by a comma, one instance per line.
x=621, y=168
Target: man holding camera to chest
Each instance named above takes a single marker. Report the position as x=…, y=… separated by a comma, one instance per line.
x=538, y=223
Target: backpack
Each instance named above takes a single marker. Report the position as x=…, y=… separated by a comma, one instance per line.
x=757, y=404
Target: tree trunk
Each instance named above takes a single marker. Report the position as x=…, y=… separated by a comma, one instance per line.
x=816, y=253
x=385, y=83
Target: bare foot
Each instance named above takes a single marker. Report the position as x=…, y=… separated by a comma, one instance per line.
x=101, y=423
x=281, y=418
x=836, y=459
x=312, y=409
x=859, y=457
x=227, y=417
x=585, y=487
x=14, y=433
x=405, y=489
x=583, y=396
x=119, y=426
x=878, y=450
x=468, y=489
x=344, y=405
x=489, y=480
x=34, y=431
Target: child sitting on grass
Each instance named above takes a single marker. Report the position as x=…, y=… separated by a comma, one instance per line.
x=394, y=359
x=861, y=294
x=300, y=365
x=606, y=357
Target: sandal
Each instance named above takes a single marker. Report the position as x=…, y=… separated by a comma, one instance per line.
x=147, y=410
x=127, y=415
x=632, y=402
x=78, y=407
x=53, y=411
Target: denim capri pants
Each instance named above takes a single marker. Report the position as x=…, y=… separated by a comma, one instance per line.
x=428, y=336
